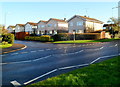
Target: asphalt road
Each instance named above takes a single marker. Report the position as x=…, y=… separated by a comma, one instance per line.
x=43, y=60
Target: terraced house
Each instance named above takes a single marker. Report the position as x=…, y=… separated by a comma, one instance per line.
x=31, y=28
x=54, y=26
x=19, y=28
x=83, y=24
x=11, y=29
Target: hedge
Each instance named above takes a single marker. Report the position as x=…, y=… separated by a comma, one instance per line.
x=8, y=38
x=43, y=38
x=83, y=36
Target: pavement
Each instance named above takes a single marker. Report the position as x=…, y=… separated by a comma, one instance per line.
x=13, y=48
x=40, y=61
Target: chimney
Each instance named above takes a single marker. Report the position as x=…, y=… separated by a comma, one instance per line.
x=64, y=19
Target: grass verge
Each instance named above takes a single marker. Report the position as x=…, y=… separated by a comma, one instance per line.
x=5, y=46
x=105, y=73
x=85, y=41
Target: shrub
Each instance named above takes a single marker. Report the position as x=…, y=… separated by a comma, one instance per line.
x=8, y=38
x=68, y=36
x=43, y=38
x=4, y=43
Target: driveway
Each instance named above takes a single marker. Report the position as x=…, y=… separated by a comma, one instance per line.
x=40, y=61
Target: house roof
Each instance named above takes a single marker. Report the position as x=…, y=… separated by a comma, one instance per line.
x=22, y=25
x=42, y=21
x=31, y=23
x=86, y=18
x=11, y=26
x=59, y=20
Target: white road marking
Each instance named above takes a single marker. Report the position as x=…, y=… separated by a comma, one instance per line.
x=48, y=49
x=15, y=83
x=94, y=60
x=23, y=52
x=14, y=54
x=101, y=47
x=32, y=51
x=54, y=48
x=72, y=53
x=40, y=76
x=72, y=66
x=116, y=45
x=74, y=46
x=40, y=50
x=42, y=58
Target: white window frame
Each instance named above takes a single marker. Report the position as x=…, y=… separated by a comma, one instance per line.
x=79, y=23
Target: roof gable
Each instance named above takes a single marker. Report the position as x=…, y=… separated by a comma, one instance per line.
x=86, y=18
x=31, y=23
x=21, y=25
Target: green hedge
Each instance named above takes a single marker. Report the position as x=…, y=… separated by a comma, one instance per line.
x=8, y=38
x=43, y=38
x=84, y=36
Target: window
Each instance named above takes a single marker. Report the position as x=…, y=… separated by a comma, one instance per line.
x=49, y=25
x=79, y=23
x=39, y=26
x=55, y=25
x=71, y=24
x=42, y=26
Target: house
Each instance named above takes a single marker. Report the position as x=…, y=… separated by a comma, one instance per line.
x=42, y=27
x=31, y=28
x=19, y=28
x=11, y=29
x=54, y=26
x=83, y=24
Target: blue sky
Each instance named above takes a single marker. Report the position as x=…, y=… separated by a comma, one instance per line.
x=22, y=12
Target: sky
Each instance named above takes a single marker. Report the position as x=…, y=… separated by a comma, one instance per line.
x=22, y=12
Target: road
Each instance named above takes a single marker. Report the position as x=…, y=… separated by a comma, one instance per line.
x=40, y=61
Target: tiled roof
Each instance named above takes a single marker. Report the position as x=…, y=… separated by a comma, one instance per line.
x=87, y=18
x=93, y=19
x=31, y=23
x=22, y=25
x=12, y=26
x=60, y=20
x=42, y=21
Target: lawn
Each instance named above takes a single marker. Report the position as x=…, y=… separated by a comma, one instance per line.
x=85, y=41
x=105, y=73
x=5, y=46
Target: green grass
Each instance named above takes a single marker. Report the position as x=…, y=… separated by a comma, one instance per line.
x=5, y=46
x=85, y=41
x=105, y=73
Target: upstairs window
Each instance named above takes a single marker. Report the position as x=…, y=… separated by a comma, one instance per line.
x=42, y=26
x=55, y=25
x=79, y=23
x=49, y=25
